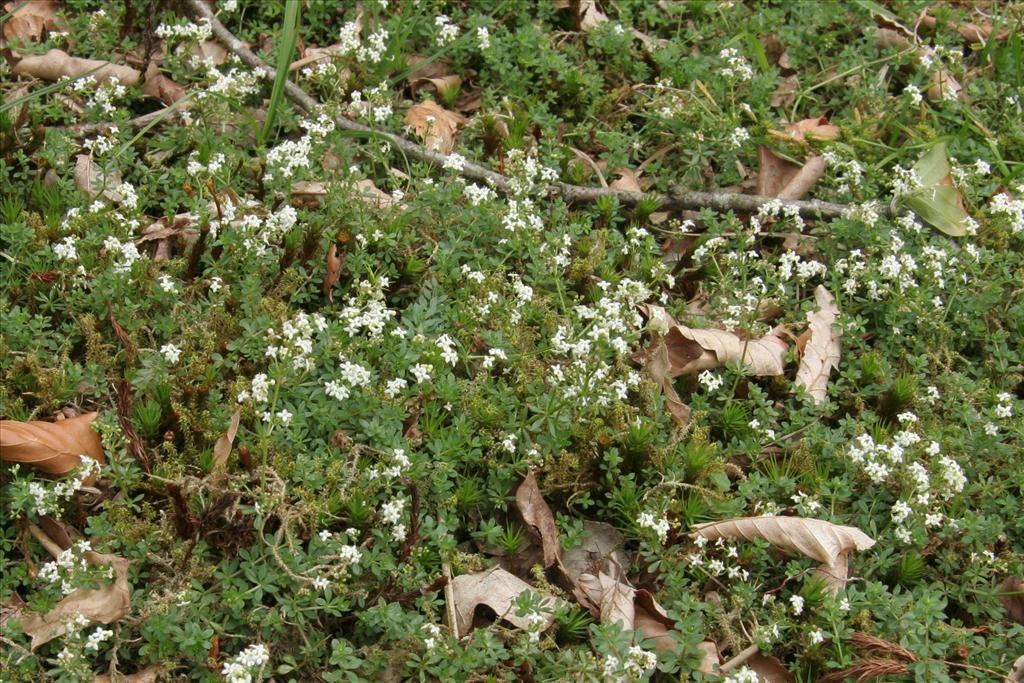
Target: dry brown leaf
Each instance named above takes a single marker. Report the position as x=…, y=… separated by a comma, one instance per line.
x=659, y=367
x=335, y=263
x=495, y=588
x=822, y=352
x=943, y=86
x=57, y=64
x=538, y=516
x=611, y=600
x=815, y=538
x=212, y=50
x=51, y=447
x=711, y=659
x=440, y=84
x=769, y=669
x=691, y=350
x=627, y=180
x=590, y=15
x=150, y=674
x=806, y=178
x=1017, y=672
x=93, y=181
x=104, y=605
x=435, y=125
x=222, y=449
x=785, y=93
x=774, y=172
x=807, y=129
x=658, y=319
x=600, y=552
x=1012, y=588
x=835, y=577
x=374, y=196
x=31, y=19
x=160, y=86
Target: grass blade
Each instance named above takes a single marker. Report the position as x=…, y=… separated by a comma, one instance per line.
x=286, y=48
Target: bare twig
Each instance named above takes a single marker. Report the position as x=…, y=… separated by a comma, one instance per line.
x=741, y=657
x=676, y=199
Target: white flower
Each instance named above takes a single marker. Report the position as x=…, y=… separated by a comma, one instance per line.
x=421, y=372
x=738, y=136
x=395, y=386
x=710, y=380
x=284, y=416
x=817, y=636
x=796, y=604
x=171, y=353
x=97, y=637
x=914, y=93
x=454, y=162
x=66, y=250
x=321, y=583
x=483, y=38
x=167, y=284
x=659, y=526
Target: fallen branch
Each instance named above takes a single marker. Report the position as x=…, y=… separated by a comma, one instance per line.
x=677, y=199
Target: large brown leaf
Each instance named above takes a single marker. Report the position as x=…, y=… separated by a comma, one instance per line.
x=659, y=367
x=57, y=64
x=31, y=19
x=538, y=516
x=815, y=538
x=51, y=447
x=104, y=605
x=435, y=125
x=1012, y=589
x=93, y=181
x=151, y=674
x=600, y=552
x=691, y=350
x=822, y=352
x=611, y=600
x=495, y=588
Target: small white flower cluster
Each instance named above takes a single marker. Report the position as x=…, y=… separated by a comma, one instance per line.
x=185, y=31
x=196, y=168
x=1004, y=409
x=742, y=675
x=447, y=31
x=710, y=381
x=259, y=390
x=433, y=634
x=736, y=67
x=367, y=312
x=372, y=51
x=376, y=106
x=716, y=566
x=391, y=513
x=536, y=623
x=295, y=340
x=289, y=156
x=526, y=174
x=963, y=175
x=1013, y=209
x=738, y=136
x=97, y=637
x=104, y=95
x=245, y=664
x=127, y=251
x=447, y=347
x=660, y=526
x=633, y=668
x=493, y=356
x=233, y=84
x=48, y=498
x=353, y=376
x=905, y=181
x=914, y=93
x=805, y=270
x=483, y=38
x=66, y=250
x=849, y=173
x=883, y=462
x=67, y=566
x=477, y=194
x=807, y=505
x=102, y=143
x=171, y=353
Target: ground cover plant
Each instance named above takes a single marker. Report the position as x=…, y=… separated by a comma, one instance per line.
x=715, y=374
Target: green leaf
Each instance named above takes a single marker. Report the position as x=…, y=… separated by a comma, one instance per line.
x=938, y=203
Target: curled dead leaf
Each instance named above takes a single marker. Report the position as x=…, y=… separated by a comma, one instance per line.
x=659, y=367
x=335, y=264
x=817, y=539
x=222, y=449
x=151, y=674
x=785, y=93
x=1012, y=597
x=495, y=588
x=51, y=447
x=538, y=516
x=822, y=352
x=691, y=350
x=600, y=552
x=611, y=600
x=435, y=125
x=57, y=64
x=159, y=86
